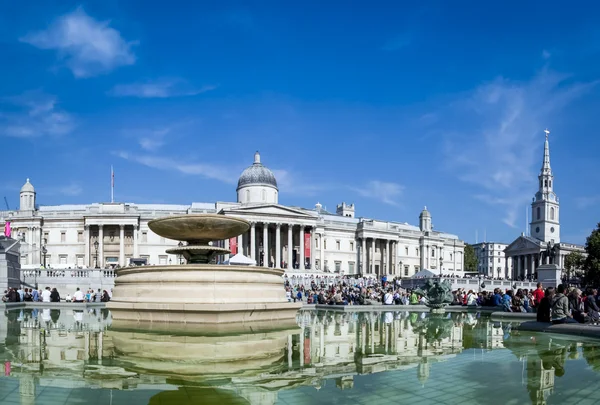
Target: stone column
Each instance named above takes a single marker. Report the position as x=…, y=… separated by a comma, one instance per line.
x=322, y=250
x=388, y=269
x=278, y=246
x=363, y=256
x=136, y=247
x=266, y=244
x=86, y=236
x=240, y=247
x=29, y=246
x=372, y=256
x=290, y=264
x=122, y=245
x=301, y=244
x=312, y=249
x=226, y=246
x=100, y=246
x=253, y=240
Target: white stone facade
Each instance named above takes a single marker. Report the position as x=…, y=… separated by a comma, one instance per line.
x=491, y=259
x=110, y=234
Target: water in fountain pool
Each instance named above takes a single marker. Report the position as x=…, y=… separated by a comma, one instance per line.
x=76, y=356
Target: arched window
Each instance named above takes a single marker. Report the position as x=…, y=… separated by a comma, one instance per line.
x=552, y=213
x=545, y=183
x=549, y=183
x=538, y=212
x=247, y=195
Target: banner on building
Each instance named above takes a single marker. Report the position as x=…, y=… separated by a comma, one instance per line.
x=307, y=245
x=233, y=245
x=7, y=229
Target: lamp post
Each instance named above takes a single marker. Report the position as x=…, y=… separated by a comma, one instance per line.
x=96, y=245
x=180, y=257
x=44, y=252
x=441, y=263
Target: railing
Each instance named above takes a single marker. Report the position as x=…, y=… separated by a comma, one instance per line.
x=69, y=273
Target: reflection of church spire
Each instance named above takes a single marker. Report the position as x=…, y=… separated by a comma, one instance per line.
x=423, y=371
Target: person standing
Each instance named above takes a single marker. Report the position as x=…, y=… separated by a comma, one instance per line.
x=538, y=295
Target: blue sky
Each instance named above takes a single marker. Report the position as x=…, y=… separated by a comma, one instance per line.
x=388, y=106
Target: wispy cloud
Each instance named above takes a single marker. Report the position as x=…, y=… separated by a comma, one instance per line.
x=162, y=88
x=34, y=114
x=87, y=46
x=396, y=43
x=499, y=149
x=387, y=193
x=223, y=174
x=586, y=202
x=72, y=189
x=289, y=183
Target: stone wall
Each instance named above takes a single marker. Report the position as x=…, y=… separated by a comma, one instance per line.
x=9, y=263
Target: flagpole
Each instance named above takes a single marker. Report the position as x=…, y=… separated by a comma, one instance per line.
x=112, y=185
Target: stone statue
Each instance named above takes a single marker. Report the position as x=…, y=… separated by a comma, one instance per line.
x=438, y=294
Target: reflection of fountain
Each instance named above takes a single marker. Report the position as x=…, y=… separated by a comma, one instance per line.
x=199, y=292
x=438, y=294
x=435, y=328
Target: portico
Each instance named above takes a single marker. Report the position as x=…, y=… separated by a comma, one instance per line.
x=117, y=241
x=377, y=256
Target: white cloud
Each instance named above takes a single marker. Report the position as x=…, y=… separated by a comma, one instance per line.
x=72, y=189
x=162, y=88
x=385, y=192
x=88, y=47
x=294, y=184
x=34, y=114
x=199, y=169
x=586, y=202
x=496, y=145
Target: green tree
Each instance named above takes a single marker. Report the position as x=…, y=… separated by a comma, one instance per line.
x=573, y=264
x=591, y=265
x=470, y=258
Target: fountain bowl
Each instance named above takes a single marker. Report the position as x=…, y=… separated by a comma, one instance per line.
x=198, y=228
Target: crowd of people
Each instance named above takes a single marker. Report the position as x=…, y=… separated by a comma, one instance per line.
x=52, y=295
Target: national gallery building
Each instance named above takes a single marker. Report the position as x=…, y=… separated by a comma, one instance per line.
x=108, y=235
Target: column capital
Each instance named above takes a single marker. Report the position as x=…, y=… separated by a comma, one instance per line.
x=278, y=225
x=121, y=227
x=252, y=224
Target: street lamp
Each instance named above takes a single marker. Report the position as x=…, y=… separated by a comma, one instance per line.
x=96, y=245
x=179, y=256
x=44, y=252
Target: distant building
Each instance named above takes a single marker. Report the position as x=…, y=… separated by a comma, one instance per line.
x=491, y=260
x=107, y=235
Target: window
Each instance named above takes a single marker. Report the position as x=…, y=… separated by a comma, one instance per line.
x=318, y=264
x=80, y=236
x=498, y=260
x=538, y=212
x=351, y=267
x=317, y=243
x=144, y=237
x=352, y=246
x=325, y=244
x=62, y=259
x=326, y=265
x=63, y=237
x=552, y=213
x=432, y=252
x=406, y=270
x=545, y=183
x=450, y=256
x=338, y=267
x=417, y=268
x=417, y=251
x=406, y=250
x=162, y=259
x=337, y=245
x=79, y=261
x=45, y=237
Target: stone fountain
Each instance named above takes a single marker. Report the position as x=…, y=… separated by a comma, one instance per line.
x=223, y=298
x=438, y=294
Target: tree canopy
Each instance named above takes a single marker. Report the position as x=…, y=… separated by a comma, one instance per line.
x=591, y=265
x=470, y=258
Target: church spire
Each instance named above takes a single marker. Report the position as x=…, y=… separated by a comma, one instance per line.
x=546, y=163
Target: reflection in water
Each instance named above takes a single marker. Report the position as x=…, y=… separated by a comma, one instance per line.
x=76, y=349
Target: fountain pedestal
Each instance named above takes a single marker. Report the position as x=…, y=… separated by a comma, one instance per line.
x=199, y=292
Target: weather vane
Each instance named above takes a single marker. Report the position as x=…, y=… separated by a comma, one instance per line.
x=547, y=132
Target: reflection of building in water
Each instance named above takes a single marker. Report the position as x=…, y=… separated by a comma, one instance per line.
x=540, y=380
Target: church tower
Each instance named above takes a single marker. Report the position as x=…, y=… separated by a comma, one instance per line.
x=545, y=224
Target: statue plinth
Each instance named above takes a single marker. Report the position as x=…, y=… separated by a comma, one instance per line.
x=199, y=292
x=550, y=275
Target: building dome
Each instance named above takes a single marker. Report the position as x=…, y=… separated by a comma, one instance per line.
x=27, y=187
x=257, y=175
x=425, y=213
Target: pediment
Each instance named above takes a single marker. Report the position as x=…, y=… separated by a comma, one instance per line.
x=270, y=210
x=524, y=243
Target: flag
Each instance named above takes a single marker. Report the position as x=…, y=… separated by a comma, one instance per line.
x=7, y=229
